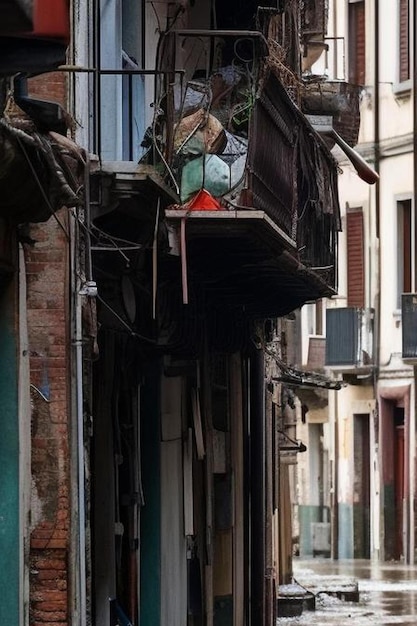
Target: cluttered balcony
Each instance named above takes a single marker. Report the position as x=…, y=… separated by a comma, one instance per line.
x=253, y=214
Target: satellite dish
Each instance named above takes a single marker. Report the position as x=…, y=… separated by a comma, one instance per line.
x=129, y=298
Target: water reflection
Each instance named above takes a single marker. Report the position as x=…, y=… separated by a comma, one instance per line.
x=388, y=593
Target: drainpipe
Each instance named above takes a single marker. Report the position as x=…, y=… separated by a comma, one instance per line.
x=334, y=510
x=377, y=305
x=335, y=51
x=80, y=449
x=414, y=409
x=81, y=291
x=257, y=486
x=376, y=114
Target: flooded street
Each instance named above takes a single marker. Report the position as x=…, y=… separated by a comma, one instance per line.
x=387, y=593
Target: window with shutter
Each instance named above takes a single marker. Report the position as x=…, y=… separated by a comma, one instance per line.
x=356, y=42
x=404, y=40
x=355, y=258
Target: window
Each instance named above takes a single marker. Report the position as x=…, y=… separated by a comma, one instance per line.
x=356, y=42
x=319, y=317
x=122, y=105
x=403, y=41
x=355, y=258
x=314, y=317
x=405, y=249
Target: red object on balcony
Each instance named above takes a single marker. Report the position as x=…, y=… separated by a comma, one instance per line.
x=202, y=201
x=51, y=20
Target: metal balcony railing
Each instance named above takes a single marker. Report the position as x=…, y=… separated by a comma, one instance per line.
x=409, y=325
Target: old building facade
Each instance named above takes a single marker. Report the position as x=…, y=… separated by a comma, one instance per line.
x=163, y=220
x=365, y=452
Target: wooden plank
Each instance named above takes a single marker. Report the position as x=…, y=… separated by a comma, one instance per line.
x=188, y=485
x=173, y=541
x=219, y=452
x=269, y=481
x=171, y=425
x=198, y=428
x=239, y=216
x=223, y=563
x=236, y=410
x=208, y=425
x=285, y=543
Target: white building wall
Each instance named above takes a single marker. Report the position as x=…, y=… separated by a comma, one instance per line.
x=396, y=183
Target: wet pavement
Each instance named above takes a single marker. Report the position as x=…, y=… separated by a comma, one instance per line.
x=387, y=593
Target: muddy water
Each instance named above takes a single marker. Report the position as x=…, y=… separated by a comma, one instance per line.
x=388, y=594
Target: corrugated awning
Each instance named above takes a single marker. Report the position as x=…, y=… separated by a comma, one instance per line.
x=299, y=378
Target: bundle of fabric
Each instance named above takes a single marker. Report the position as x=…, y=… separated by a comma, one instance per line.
x=40, y=172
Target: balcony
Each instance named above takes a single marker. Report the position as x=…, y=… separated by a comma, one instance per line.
x=337, y=99
x=267, y=241
x=272, y=233
x=349, y=339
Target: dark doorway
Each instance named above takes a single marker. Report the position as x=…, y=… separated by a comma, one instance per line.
x=393, y=465
x=398, y=423
x=361, y=507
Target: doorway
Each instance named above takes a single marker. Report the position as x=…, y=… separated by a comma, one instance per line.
x=394, y=462
x=361, y=487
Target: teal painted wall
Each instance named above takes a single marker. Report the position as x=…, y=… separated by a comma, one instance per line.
x=390, y=518
x=223, y=611
x=345, y=531
x=9, y=463
x=150, y=548
x=306, y=515
x=361, y=531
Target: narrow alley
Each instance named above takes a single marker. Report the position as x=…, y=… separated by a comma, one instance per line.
x=387, y=593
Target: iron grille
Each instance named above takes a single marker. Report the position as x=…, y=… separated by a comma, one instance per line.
x=409, y=325
x=349, y=337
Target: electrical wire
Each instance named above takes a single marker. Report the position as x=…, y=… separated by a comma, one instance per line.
x=159, y=29
x=41, y=189
x=118, y=249
x=42, y=395
x=163, y=159
x=113, y=241
x=114, y=238
x=297, y=377
x=125, y=324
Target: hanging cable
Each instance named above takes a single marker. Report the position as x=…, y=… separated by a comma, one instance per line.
x=125, y=324
x=41, y=189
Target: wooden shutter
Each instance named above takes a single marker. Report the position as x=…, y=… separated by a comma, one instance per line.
x=357, y=49
x=404, y=41
x=355, y=259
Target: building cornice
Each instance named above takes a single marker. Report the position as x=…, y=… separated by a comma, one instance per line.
x=390, y=147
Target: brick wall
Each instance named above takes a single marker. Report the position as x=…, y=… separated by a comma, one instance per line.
x=47, y=268
x=50, y=87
